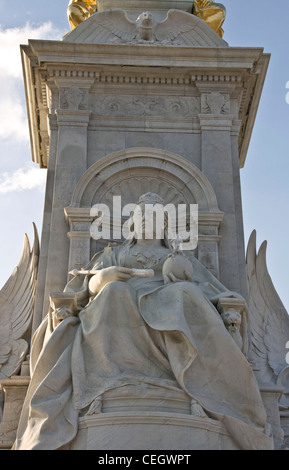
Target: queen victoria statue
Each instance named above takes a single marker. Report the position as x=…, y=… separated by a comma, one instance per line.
x=126, y=327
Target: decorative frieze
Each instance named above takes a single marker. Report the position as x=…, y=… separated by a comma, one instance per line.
x=145, y=105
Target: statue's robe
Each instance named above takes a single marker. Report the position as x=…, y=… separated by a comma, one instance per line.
x=140, y=333
x=214, y=15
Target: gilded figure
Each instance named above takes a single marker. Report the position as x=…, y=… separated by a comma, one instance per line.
x=78, y=11
x=212, y=13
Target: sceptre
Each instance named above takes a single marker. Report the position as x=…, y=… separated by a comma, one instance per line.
x=136, y=272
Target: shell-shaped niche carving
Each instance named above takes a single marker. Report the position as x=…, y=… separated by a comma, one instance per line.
x=131, y=172
x=131, y=188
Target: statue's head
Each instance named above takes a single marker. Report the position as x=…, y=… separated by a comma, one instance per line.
x=149, y=220
x=232, y=320
x=150, y=198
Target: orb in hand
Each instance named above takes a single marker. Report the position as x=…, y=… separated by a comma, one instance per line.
x=178, y=265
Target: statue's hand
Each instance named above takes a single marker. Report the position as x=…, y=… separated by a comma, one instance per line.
x=172, y=278
x=106, y=275
x=115, y=273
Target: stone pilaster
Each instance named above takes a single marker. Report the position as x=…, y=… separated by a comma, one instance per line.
x=70, y=164
x=218, y=123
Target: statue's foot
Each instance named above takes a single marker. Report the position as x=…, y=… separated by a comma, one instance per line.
x=95, y=407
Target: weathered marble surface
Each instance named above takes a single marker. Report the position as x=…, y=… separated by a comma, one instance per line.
x=269, y=333
x=149, y=337
x=17, y=301
x=114, y=26
x=113, y=115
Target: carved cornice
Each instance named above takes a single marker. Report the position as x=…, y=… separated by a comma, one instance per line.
x=53, y=68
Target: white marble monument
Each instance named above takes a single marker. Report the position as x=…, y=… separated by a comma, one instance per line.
x=135, y=346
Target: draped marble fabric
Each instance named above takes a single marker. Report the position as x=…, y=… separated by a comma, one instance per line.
x=140, y=333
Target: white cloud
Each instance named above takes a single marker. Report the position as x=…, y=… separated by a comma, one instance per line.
x=10, y=40
x=13, y=118
x=23, y=179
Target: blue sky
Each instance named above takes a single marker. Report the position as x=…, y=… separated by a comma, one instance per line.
x=265, y=188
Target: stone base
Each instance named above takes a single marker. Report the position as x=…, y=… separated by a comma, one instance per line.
x=150, y=431
x=14, y=389
x=159, y=7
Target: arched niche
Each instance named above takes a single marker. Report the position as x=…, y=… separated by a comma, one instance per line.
x=131, y=172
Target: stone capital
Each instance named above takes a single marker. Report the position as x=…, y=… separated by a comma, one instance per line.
x=75, y=117
x=215, y=122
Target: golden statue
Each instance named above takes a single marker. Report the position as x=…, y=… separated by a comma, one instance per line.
x=79, y=11
x=212, y=13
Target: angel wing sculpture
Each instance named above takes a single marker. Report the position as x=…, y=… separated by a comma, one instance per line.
x=269, y=320
x=269, y=324
x=16, y=309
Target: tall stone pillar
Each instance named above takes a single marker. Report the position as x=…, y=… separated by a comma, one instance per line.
x=68, y=159
x=218, y=163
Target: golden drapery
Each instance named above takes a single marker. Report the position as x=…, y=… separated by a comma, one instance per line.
x=78, y=11
x=212, y=13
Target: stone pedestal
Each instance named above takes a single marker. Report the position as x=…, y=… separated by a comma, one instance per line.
x=159, y=8
x=151, y=431
x=140, y=418
x=271, y=395
x=14, y=389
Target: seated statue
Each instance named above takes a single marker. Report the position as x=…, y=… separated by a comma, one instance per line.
x=79, y=11
x=214, y=14
x=146, y=332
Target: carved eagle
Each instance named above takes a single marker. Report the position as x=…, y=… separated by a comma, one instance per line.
x=114, y=26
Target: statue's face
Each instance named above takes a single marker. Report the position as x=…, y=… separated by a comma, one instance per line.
x=232, y=320
x=149, y=221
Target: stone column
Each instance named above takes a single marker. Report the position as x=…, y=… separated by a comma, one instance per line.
x=79, y=221
x=217, y=126
x=41, y=277
x=71, y=163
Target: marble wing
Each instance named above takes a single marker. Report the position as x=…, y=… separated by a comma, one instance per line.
x=104, y=27
x=181, y=28
x=17, y=298
x=269, y=320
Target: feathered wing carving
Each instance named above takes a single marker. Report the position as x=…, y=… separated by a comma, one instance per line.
x=269, y=320
x=181, y=26
x=109, y=25
x=16, y=309
x=114, y=26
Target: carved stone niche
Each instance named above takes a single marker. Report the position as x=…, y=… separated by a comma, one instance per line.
x=128, y=174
